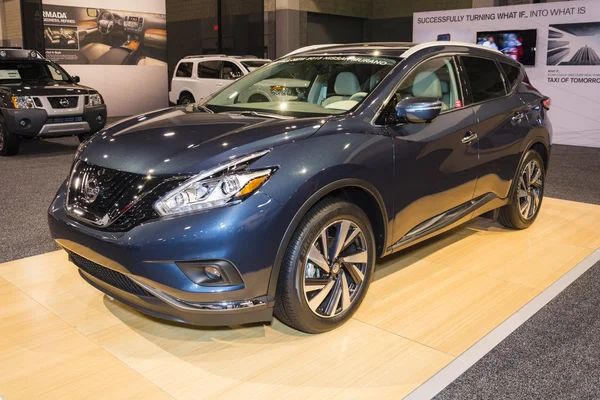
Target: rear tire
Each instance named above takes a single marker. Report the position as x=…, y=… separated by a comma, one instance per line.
x=321, y=286
x=527, y=196
x=9, y=142
x=185, y=99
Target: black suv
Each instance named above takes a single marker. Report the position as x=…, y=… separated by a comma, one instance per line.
x=39, y=99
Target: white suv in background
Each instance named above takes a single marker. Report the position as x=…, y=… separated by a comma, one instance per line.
x=197, y=77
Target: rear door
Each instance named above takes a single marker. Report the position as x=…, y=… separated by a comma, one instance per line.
x=503, y=121
x=435, y=163
x=182, y=80
x=208, y=78
x=229, y=73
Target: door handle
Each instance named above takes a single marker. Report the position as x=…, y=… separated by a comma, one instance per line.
x=469, y=138
x=518, y=117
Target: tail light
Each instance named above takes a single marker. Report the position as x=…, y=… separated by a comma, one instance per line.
x=546, y=103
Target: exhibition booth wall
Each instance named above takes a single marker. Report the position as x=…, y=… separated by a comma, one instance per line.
x=118, y=48
x=559, y=44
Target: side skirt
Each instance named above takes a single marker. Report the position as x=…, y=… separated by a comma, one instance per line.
x=447, y=220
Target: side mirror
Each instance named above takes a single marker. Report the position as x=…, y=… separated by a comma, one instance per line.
x=418, y=109
x=76, y=79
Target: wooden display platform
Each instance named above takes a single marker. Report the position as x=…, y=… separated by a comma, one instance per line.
x=61, y=338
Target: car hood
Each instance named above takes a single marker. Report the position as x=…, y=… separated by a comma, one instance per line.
x=44, y=88
x=174, y=141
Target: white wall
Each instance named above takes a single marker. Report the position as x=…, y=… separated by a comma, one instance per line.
x=575, y=112
x=127, y=89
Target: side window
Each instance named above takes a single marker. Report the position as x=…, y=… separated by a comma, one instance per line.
x=209, y=69
x=230, y=71
x=485, y=78
x=184, y=70
x=512, y=73
x=433, y=78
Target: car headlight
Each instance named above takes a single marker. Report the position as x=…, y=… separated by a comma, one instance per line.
x=226, y=184
x=23, y=102
x=94, y=100
x=280, y=90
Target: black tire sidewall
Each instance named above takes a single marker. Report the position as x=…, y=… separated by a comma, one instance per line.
x=186, y=96
x=530, y=156
x=307, y=235
x=10, y=144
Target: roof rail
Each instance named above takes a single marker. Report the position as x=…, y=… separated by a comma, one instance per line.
x=205, y=55
x=425, y=45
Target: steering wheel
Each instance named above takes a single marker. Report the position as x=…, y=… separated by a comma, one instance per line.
x=106, y=22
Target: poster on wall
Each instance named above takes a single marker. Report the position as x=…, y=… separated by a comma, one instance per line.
x=84, y=35
x=558, y=43
x=118, y=48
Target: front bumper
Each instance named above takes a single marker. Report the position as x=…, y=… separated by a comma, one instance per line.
x=148, y=256
x=35, y=122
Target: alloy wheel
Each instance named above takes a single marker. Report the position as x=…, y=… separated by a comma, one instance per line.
x=529, y=191
x=335, y=268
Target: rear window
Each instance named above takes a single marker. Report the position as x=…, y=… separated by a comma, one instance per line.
x=184, y=70
x=512, y=73
x=209, y=69
x=484, y=77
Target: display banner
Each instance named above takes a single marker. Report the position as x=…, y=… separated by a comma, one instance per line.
x=559, y=44
x=121, y=53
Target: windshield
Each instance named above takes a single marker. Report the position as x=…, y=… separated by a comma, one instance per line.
x=252, y=65
x=31, y=71
x=305, y=86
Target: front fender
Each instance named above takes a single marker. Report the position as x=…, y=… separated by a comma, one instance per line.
x=311, y=169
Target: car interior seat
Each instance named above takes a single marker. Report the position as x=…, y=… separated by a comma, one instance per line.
x=427, y=84
x=446, y=93
x=93, y=51
x=346, y=85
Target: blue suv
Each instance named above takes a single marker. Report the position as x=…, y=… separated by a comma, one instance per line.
x=230, y=210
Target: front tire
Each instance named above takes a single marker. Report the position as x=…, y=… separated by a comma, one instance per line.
x=9, y=142
x=185, y=99
x=527, y=197
x=327, y=267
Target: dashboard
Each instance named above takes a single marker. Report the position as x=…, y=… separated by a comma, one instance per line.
x=133, y=24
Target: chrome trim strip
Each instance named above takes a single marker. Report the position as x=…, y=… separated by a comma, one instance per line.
x=198, y=307
x=71, y=127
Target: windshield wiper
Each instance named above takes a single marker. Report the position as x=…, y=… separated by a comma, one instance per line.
x=198, y=107
x=259, y=114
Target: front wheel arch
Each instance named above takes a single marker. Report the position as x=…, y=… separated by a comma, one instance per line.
x=358, y=190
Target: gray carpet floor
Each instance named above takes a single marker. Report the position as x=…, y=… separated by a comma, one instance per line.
x=28, y=182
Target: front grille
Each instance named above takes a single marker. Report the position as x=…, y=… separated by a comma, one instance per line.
x=107, y=275
x=38, y=102
x=63, y=102
x=113, y=200
x=143, y=210
x=63, y=120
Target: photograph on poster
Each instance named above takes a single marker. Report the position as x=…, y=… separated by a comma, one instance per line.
x=61, y=37
x=574, y=44
x=104, y=36
x=517, y=44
